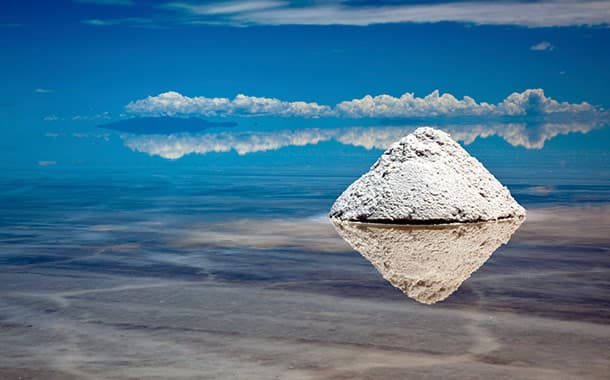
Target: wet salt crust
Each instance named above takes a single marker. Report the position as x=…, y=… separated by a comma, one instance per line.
x=426, y=178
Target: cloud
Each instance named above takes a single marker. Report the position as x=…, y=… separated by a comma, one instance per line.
x=408, y=105
x=228, y=7
x=175, y=146
x=135, y=22
x=543, y=46
x=540, y=13
x=106, y=2
x=528, y=102
x=47, y=163
x=173, y=103
x=43, y=91
x=535, y=102
x=543, y=13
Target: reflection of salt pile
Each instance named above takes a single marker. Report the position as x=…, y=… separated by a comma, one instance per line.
x=427, y=264
x=426, y=177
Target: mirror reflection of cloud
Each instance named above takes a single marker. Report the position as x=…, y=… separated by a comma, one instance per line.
x=530, y=135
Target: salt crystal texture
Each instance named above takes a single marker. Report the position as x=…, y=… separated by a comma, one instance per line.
x=426, y=178
x=427, y=263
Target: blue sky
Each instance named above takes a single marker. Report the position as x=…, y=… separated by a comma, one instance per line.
x=71, y=65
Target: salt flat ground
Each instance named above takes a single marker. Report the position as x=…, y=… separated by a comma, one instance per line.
x=155, y=285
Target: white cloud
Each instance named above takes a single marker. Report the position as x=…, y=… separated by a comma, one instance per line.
x=408, y=105
x=43, y=91
x=228, y=7
x=543, y=46
x=173, y=103
x=535, y=102
x=543, y=13
x=528, y=102
x=106, y=2
x=135, y=22
x=531, y=136
x=98, y=22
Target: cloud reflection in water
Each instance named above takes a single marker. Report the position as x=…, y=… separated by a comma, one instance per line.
x=531, y=135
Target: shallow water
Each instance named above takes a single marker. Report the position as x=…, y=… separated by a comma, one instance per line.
x=197, y=269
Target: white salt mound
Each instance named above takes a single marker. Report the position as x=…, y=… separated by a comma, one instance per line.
x=428, y=178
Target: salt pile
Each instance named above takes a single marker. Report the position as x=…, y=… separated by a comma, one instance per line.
x=427, y=264
x=426, y=178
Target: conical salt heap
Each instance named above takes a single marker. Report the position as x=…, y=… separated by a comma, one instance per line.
x=426, y=178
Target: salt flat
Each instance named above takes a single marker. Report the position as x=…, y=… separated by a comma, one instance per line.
x=303, y=305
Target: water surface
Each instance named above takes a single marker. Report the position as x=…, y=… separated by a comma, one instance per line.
x=224, y=265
